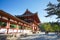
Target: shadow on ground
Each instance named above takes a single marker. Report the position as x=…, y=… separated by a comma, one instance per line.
x=3, y=37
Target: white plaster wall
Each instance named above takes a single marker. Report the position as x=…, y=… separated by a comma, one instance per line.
x=2, y=30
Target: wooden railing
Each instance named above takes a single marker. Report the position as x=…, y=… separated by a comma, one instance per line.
x=9, y=19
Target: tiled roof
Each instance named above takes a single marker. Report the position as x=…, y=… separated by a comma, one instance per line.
x=27, y=13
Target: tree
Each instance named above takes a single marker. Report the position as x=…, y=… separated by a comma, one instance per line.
x=3, y=24
x=51, y=27
x=0, y=23
x=46, y=27
x=13, y=26
x=55, y=26
x=42, y=27
x=53, y=9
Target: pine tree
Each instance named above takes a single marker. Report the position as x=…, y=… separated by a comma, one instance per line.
x=53, y=9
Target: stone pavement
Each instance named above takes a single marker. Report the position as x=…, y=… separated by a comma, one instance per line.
x=41, y=37
x=34, y=37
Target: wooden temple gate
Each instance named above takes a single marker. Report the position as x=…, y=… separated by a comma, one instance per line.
x=9, y=19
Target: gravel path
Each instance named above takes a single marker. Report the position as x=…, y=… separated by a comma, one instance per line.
x=41, y=37
x=35, y=37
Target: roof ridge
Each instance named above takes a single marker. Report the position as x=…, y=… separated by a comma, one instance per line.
x=27, y=12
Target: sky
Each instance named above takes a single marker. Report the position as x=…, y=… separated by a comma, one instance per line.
x=18, y=7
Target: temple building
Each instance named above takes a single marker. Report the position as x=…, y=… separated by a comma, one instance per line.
x=31, y=18
x=26, y=22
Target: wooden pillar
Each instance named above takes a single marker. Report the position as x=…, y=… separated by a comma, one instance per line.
x=22, y=26
x=17, y=28
x=8, y=25
x=0, y=21
x=25, y=26
x=33, y=27
x=38, y=29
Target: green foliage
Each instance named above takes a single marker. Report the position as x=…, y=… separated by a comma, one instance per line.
x=51, y=27
x=2, y=24
x=56, y=26
x=20, y=27
x=53, y=9
x=46, y=26
x=13, y=26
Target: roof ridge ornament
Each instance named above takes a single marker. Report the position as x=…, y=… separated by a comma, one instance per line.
x=27, y=12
